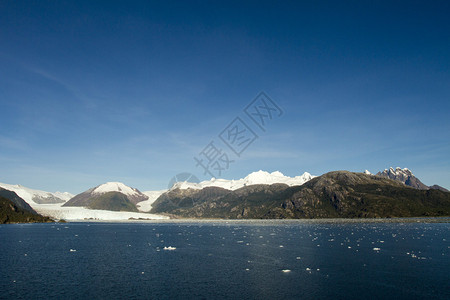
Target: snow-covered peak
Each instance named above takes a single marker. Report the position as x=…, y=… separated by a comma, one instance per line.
x=367, y=172
x=115, y=187
x=263, y=177
x=404, y=175
x=398, y=171
x=259, y=177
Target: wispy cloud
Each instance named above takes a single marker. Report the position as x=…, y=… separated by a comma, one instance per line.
x=45, y=74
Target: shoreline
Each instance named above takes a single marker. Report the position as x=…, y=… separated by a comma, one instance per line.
x=272, y=221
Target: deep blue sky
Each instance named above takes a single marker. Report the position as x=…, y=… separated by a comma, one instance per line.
x=131, y=91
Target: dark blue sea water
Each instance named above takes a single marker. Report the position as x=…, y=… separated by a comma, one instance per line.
x=225, y=261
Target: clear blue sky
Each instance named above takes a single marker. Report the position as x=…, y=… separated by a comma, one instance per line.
x=96, y=91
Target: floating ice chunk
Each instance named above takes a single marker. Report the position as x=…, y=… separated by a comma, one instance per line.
x=73, y=250
x=286, y=271
x=170, y=248
x=376, y=249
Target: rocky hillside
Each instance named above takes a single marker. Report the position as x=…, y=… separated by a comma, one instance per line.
x=355, y=195
x=339, y=194
x=12, y=213
x=18, y=201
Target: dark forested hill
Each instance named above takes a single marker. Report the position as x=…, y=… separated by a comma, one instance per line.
x=12, y=213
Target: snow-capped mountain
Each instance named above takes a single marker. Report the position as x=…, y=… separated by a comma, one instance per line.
x=404, y=175
x=112, y=188
x=260, y=177
x=36, y=196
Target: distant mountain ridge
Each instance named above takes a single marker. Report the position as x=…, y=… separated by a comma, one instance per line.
x=36, y=196
x=438, y=187
x=259, y=177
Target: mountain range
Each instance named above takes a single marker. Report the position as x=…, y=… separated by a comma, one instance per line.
x=106, y=196
x=258, y=195
x=259, y=177
x=339, y=194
